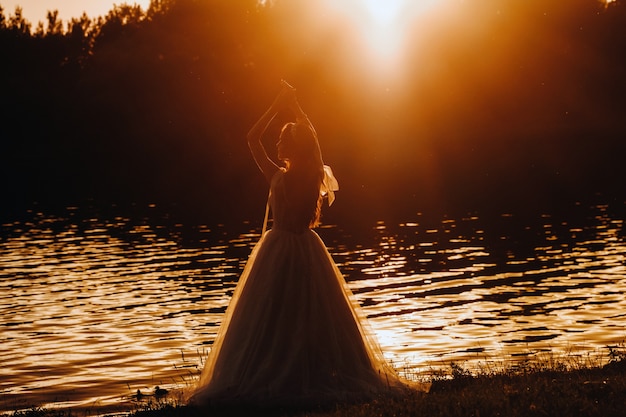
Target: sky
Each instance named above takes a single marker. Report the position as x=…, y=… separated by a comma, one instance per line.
x=36, y=10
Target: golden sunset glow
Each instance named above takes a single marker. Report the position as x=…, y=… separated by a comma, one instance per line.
x=381, y=27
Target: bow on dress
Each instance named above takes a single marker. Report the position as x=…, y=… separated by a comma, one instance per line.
x=329, y=185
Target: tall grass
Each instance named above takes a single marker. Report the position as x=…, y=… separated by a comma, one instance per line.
x=535, y=384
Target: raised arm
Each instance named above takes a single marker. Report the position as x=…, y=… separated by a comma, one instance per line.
x=286, y=100
x=294, y=106
x=263, y=161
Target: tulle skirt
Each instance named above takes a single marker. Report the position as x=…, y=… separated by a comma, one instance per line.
x=293, y=333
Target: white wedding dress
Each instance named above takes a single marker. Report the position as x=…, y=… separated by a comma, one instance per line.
x=293, y=333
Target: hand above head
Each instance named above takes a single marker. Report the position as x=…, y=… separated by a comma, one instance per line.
x=288, y=95
x=286, y=98
x=285, y=84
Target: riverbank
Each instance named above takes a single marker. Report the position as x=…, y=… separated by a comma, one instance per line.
x=590, y=392
x=549, y=387
x=547, y=392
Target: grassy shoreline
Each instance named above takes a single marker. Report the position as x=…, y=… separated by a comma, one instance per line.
x=548, y=387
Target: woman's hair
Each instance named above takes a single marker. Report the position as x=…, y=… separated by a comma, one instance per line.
x=305, y=172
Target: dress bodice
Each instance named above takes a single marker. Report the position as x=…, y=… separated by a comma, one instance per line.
x=285, y=216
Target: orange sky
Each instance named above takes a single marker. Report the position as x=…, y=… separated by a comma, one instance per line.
x=36, y=10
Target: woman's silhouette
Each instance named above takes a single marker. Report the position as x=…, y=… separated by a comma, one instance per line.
x=293, y=334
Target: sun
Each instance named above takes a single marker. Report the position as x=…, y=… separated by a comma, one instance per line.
x=382, y=26
x=384, y=13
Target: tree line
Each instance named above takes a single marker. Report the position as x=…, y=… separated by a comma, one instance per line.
x=517, y=99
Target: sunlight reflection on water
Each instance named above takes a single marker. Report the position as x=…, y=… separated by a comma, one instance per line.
x=92, y=309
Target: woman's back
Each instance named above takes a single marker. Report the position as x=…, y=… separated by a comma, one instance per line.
x=295, y=200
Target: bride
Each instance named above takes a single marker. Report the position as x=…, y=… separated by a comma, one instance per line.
x=293, y=333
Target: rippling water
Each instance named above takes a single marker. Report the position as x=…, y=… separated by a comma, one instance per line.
x=93, y=308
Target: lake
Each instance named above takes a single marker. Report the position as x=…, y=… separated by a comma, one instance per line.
x=95, y=306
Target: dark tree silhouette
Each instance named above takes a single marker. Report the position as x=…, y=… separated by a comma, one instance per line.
x=517, y=99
